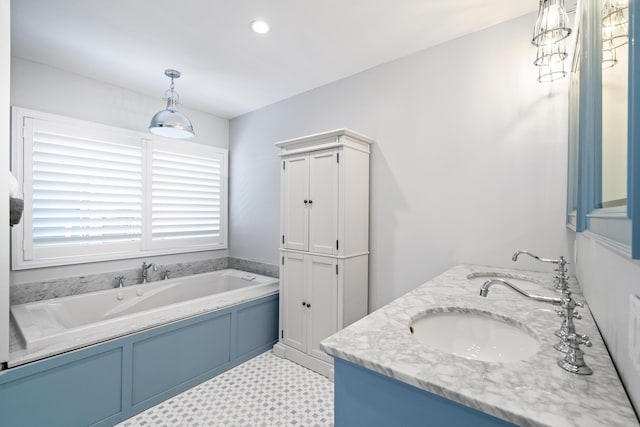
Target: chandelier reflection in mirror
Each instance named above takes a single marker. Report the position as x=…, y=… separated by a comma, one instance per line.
x=615, y=29
x=170, y=122
x=549, y=34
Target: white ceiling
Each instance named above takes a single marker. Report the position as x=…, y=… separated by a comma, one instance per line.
x=227, y=70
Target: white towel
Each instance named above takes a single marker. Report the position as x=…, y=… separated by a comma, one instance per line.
x=14, y=188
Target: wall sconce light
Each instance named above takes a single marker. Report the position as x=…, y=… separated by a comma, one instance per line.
x=549, y=34
x=170, y=122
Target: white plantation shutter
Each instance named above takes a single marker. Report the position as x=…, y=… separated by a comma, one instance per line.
x=187, y=199
x=96, y=193
x=86, y=190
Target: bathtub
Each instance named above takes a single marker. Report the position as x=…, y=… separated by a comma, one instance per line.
x=76, y=321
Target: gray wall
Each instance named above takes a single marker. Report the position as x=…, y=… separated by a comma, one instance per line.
x=469, y=164
x=52, y=90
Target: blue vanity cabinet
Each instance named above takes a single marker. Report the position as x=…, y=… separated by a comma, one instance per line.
x=367, y=398
x=106, y=383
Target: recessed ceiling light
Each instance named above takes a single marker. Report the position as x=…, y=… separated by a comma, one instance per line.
x=259, y=26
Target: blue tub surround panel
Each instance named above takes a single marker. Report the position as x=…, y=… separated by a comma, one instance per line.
x=380, y=355
x=109, y=382
x=367, y=398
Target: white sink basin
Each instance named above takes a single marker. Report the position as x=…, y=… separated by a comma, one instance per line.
x=475, y=335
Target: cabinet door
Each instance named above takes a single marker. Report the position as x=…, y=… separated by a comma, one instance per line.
x=291, y=298
x=323, y=209
x=323, y=297
x=295, y=192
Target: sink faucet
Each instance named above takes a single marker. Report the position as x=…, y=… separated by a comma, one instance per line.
x=570, y=341
x=145, y=267
x=484, y=291
x=560, y=279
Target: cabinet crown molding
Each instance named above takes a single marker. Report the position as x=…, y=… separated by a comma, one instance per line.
x=325, y=140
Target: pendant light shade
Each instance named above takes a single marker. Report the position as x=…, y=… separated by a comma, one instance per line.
x=549, y=34
x=552, y=24
x=551, y=54
x=615, y=23
x=609, y=58
x=170, y=122
x=551, y=72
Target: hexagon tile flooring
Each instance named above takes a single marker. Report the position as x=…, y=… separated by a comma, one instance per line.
x=264, y=391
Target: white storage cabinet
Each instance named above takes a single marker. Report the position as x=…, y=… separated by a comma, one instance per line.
x=324, y=242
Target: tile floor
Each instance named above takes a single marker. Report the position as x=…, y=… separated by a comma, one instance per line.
x=264, y=391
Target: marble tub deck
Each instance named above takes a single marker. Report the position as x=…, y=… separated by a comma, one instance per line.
x=532, y=392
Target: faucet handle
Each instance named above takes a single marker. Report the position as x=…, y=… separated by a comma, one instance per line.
x=576, y=315
x=583, y=339
x=579, y=304
x=165, y=274
x=578, y=339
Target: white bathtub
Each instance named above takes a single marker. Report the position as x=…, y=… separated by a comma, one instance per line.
x=75, y=321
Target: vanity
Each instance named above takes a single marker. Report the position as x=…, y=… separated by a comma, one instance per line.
x=387, y=374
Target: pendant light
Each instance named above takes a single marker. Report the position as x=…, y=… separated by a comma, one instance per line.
x=549, y=34
x=550, y=72
x=552, y=24
x=609, y=58
x=615, y=23
x=170, y=122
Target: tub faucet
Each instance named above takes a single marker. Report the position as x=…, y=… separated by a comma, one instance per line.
x=570, y=341
x=120, y=280
x=145, y=267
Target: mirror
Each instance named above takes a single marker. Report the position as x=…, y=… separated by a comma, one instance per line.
x=615, y=65
x=574, y=134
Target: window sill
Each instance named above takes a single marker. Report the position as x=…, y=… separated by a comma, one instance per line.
x=613, y=225
x=18, y=264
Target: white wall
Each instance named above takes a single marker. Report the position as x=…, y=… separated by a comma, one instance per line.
x=52, y=90
x=5, y=72
x=609, y=280
x=470, y=162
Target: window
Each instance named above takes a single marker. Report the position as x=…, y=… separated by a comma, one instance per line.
x=95, y=193
x=186, y=195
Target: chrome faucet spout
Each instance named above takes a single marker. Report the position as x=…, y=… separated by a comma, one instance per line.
x=552, y=261
x=484, y=291
x=146, y=267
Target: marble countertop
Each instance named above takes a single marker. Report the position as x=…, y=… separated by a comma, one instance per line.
x=532, y=392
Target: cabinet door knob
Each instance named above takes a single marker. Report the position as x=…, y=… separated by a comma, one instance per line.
x=304, y=303
x=306, y=201
x=310, y=201
x=308, y=305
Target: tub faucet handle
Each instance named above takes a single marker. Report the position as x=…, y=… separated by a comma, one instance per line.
x=120, y=280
